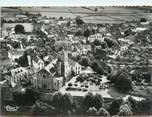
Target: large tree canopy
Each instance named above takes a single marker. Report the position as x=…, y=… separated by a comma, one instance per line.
x=19, y=29
x=121, y=79
x=115, y=105
x=62, y=102
x=25, y=98
x=91, y=100
x=79, y=21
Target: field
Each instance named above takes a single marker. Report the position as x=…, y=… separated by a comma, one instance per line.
x=88, y=14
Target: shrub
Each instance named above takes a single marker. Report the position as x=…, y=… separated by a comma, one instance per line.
x=103, y=112
x=92, y=111
x=70, y=84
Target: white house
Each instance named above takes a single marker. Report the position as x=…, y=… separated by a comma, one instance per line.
x=36, y=62
x=76, y=67
x=17, y=75
x=92, y=38
x=123, y=48
x=15, y=54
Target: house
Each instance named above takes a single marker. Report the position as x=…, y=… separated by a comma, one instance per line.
x=63, y=22
x=123, y=48
x=84, y=49
x=15, y=54
x=35, y=61
x=65, y=43
x=17, y=75
x=76, y=67
x=92, y=38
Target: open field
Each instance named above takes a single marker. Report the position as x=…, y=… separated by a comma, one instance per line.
x=89, y=15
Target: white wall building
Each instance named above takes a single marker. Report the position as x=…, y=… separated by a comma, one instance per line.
x=18, y=74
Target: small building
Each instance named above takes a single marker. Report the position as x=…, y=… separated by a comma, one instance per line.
x=123, y=48
x=84, y=49
x=76, y=67
x=35, y=62
x=92, y=38
x=15, y=54
x=17, y=75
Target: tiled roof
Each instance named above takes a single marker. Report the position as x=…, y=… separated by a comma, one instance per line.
x=44, y=71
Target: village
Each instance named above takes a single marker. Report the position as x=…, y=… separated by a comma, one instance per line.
x=66, y=66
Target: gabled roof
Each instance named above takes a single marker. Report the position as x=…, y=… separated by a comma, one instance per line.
x=8, y=73
x=44, y=71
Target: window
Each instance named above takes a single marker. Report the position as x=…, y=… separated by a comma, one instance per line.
x=44, y=76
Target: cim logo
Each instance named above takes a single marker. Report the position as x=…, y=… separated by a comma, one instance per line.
x=11, y=108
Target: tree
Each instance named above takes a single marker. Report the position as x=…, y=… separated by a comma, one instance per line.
x=141, y=107
x=121, y=79
x=87, y=33
x=143, y=20
x=95, y=9
x=84, y=61
x=60, y=18
x=62, y=102
x=92, y=111
x=88, y=101
x=144, y=106
x=93, y=31
x=112, y=76
x=128, y=32
x=57, y=100
x=125, y=110
x=19, y=29
x=40, y=108
x=115, y=105
x=98, y=101
x=68, y=23
x=104, y=45
x=78, y=33
x=97, y=42
x=25, y=98
x=79, y=21
x=100, y=53
x=124, y=83
x=67, y=102
x=97, y=68
x=15, y=44
x=100, y=70
x=103, y=112
x=111, y=42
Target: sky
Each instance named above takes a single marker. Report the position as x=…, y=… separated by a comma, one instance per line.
x=75, y=2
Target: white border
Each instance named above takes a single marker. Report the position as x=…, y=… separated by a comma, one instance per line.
x=75, y=2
